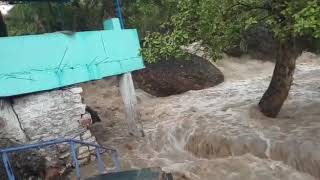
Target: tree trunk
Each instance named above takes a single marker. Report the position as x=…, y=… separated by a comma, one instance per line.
x=3, y=28
x=278, y=90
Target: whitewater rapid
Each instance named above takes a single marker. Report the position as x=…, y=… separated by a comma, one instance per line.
x=218, y=133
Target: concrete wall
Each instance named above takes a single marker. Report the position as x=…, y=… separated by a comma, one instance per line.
x=46, y=116
x=10, y=127
x=50, y=114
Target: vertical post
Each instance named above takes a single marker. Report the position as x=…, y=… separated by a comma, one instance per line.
x=115, y=160
x=127, y=91
x=119, y=13
x=7, y=166
x=75, y=159
x=100, y=162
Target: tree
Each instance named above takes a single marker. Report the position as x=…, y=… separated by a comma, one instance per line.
x=3, y=28
x=44, y=17
x=220, y=24
x=148, y=15
x=79, y=15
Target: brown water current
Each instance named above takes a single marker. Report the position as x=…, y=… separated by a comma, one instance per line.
x=218, y=133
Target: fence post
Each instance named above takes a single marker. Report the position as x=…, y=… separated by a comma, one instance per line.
x=7, y=166
x=100, y=162
x=75, y=159
x=119, y=13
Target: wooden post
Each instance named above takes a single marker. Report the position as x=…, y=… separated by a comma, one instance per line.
x=127, y=91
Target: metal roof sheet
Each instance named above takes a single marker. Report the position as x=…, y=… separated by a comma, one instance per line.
x=48, y=61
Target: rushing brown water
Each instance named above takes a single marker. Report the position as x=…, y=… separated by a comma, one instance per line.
x=218, y=133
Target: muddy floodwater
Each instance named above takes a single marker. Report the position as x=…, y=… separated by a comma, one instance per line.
x=218, y=133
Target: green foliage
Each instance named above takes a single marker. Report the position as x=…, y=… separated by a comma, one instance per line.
x=196, y=20
x=307, y=21
x=162, y=46
x=173, y=33
x=166, y=25
x=35, y=18
x=220, y=24
x=147, y=15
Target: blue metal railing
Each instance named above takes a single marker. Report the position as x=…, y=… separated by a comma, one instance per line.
x=72, y=143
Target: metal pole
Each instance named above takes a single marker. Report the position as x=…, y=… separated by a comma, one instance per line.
x=75, y=159
x=7, y=165
x=100, y=162
x=127, y=90
x=119, y=13
x=115, y=159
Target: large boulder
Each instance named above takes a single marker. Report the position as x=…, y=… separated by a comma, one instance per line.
x=259, y=42
x=176, y=76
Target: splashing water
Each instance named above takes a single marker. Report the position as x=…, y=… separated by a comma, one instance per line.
x=218, y=133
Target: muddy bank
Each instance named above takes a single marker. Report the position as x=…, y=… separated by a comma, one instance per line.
x=207, y=133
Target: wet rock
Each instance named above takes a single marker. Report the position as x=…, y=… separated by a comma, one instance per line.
x=94, y=114
x=52, y=173
x=170, y=77
x=259, y=43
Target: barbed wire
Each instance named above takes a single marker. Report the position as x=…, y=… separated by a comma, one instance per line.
x=22, y=75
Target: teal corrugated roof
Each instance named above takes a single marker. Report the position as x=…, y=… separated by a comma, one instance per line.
x=43, y=62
